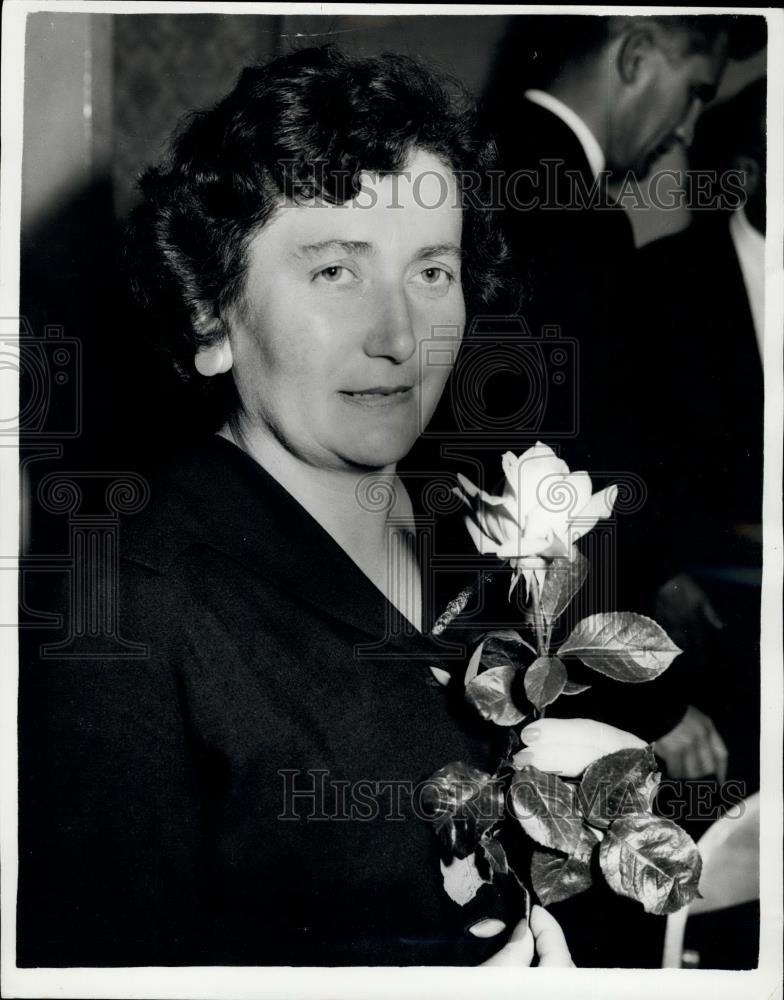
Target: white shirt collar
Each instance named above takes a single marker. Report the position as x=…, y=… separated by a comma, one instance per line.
x=593, y=151
x=750, y=247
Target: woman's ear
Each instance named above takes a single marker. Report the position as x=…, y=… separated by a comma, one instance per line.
x=215, y=359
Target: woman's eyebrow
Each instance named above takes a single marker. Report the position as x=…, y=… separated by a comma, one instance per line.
x=345, y=246
x=440, y=250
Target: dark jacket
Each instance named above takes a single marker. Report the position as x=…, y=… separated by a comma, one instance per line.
x=175, y=807
x=704, y=391
x=572, y=246
x=703, y=396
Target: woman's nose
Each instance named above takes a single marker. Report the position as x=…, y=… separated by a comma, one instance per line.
x=392, y=333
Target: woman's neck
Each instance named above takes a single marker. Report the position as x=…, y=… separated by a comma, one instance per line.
x=369, y=515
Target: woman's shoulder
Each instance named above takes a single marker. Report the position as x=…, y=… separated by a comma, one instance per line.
x=195, y=495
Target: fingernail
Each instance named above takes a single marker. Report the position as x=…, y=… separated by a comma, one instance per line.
x=487, y=928
x=522, y=758
x=530, y=734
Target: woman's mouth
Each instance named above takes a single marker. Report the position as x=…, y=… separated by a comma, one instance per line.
x=380, y=395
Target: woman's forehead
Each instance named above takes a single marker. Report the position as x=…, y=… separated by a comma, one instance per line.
x=422, y=201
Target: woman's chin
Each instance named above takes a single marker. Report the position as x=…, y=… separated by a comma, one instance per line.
x=378, y=451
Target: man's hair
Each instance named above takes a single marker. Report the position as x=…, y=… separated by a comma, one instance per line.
x=538, y=48
x=724, y=131
x=731, y=128
x=304, y=126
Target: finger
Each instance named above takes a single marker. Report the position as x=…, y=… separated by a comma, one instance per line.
x=580, y=731
x=720, y=754
x=519, y=949
x=707, y=761
x=568, y=746
x=487, y=928
x=676, y=767
x=442, y=676
x=556, y=759
x=691, y=764
x=551, y=947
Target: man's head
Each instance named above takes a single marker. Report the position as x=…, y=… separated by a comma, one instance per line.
x=638, y=81
x=661, y=75
x=731, y=136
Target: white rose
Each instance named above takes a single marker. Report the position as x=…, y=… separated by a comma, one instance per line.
x=542, y=512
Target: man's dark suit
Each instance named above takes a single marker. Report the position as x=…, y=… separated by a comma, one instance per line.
x=573, y=246
x=705, y=387
x=704, y=402
x=704, y=433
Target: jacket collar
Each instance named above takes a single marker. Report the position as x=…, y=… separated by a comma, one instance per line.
x=216, y=495
x=594, y=154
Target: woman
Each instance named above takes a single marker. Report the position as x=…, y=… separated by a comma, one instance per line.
x=242, y=794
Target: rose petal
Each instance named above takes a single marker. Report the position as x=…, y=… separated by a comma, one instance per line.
x=524, y=473
x=536, y=465
x=474, y=492
x=485, y=546
x=580, y=484
x=529, y=575
x=599, y=506
x=459, y=493
x=496, y=523
x=544, y=524
x=524, y=546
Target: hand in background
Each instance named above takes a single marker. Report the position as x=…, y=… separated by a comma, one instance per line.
x=694, y=748
x=539, y=937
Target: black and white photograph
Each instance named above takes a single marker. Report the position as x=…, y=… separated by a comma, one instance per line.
x=391, y=448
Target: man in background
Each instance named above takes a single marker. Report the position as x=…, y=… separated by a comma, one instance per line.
x=704, y=309
x=582, y=107
x=702, y=306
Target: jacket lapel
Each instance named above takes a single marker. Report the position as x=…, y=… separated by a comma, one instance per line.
x=217, y=495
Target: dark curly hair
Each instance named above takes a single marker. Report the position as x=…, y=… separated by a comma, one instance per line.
x=304, y=125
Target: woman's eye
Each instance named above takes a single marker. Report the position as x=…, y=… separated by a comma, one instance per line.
x=335, y=274
x=435, y=276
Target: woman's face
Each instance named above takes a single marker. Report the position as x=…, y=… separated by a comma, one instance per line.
x=352, y=318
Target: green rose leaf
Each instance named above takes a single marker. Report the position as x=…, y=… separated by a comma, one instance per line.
x=562, y=581
x=494, y=855
x=546, y=808
x=503, y=646
x=463, y=803
x=497, y=649
x=490, y=693
x=651, y=860
x=556, y=876
x=473, y=664
x=545, y=679
x=622, y=645
x=572, y=687
x=462, y=880
x=619, y=784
